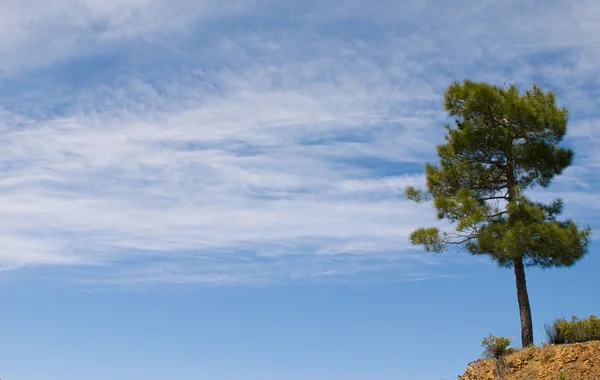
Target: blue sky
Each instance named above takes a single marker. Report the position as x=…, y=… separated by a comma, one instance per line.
x=213, y=189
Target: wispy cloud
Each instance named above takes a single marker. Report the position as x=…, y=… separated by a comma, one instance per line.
x=211, y=142
x=41, y=32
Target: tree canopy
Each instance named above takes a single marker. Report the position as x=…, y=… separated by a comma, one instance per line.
x=503, y=143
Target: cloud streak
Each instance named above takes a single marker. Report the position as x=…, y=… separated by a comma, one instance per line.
x=238, y=142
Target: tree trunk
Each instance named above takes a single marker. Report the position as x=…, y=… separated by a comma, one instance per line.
x=524, y=307
x=522, y=296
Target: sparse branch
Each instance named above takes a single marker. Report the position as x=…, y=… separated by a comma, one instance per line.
x=463, y=241
x=489, y=114
x=489, y=188
x=494, y=197
x=497, y=214
x=491, y=160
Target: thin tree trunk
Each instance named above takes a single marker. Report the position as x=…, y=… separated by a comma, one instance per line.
x=524, y=307
x=522, y=296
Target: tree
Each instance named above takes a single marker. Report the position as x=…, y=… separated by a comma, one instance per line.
x=504, y=142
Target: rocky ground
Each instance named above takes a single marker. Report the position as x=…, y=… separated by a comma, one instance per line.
x=579, y=361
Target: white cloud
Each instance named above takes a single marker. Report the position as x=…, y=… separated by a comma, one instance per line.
x=270, y=152
x=40, y=32
x=129, y=187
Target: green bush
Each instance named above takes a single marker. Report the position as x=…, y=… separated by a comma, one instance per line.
x=593, y=327
x=495, y=346
x=552, y=334
x=577, y=330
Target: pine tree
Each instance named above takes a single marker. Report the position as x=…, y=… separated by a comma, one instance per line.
x=504, y=142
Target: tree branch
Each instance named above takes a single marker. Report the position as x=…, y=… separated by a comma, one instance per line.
x=494, y=197
x=465, y=239
x=497, y=214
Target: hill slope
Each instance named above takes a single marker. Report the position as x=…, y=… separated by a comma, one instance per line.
x=579, y=361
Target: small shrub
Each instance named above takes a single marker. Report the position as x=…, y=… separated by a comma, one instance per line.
x=553, y=335
x=564, y=329
x=495, y=346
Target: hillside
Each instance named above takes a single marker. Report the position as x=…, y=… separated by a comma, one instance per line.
x=580, y=361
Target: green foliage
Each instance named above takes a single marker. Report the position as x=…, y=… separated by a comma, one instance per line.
x=415, y=194
x=498, y=119
x=505, y=142
x=562, y=376
x=495, y=346
x=431, y=238
x=534, y=234
x=577, y=330
x=552, y=335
